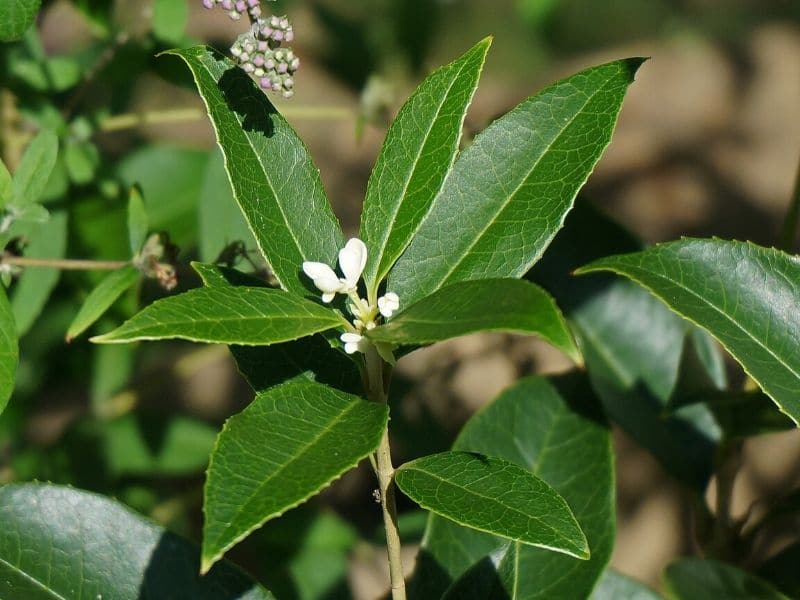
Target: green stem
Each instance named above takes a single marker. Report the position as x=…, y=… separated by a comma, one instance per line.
x=65, y=264
x=792, y=220
x=385, y=471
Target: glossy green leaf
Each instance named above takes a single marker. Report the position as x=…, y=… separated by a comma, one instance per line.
x=101, y=298
x=59, y=543
x=30, y=293
x=616, y=586
x=138, y=224
x=235, y=315
x=693, y=578
x=495, y=496
x=632, y=346
x=292, y=441
x=169, y=19
x=746, y=296
x=9, y=350
x=482, y=305
x=417, y=155
x=220, y=220
x=16, y=16
x=551, y=427
x=35, y=168
x=274, y=180
x=510, y=190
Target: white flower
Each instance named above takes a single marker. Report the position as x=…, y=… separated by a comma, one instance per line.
x=352, y=259
x=388, y=304
x=353, y=342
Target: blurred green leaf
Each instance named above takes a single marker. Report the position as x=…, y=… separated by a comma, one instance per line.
x=6, y=189
x=138, y=225
x=746, y=296
x=482, y=305
x=16, y=16
x=221, y=221
x=152, y=445
x=693, y=578
x=112, y=367
x=30, y=293
x=553, y=428
x=59, y=542
x=510, y=190
x=416, y=156
x=9, y=350
x=299, y=436
x=169, y=20
x=101, y=298
x=616, y=586
x=81, y=159
x=34, y=169
x=274, y=180
x=495, y=496
x=234, y=315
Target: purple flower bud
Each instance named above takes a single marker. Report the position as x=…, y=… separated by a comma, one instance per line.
x=289, y=35
x=266, y=32
x=253, y=3
x=277, y=35
x=244, y=57
x=269, y=64
x=227, y=4
x=275, y=22
x=241, y=6
x=258, y=60
x=263, y=46
x=266, y=83
x=283, y=67
x=208, y=3
x=255, y=12
x=248, y=67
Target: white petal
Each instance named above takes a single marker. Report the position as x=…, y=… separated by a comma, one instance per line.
x=328, y=297
x=318, y=270
x=352, y=259
x=388, y=304
x=351, y=347
x=328, y=285
x=349, y=338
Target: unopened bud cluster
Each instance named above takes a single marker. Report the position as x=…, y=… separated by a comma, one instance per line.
x=259, y=51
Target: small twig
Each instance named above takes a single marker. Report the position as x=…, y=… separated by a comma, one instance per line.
x=792, y=220
x=65, y=264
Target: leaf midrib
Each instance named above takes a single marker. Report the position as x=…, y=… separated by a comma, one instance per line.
x=393, y=219
x=489, y=222
x=492, y=499
x=16, y=569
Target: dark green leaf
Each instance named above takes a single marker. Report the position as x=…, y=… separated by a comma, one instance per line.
x=169, y=19
x=9, y=350
x=552, y=428
x=482, y=305
x=616, y=586
x=58, y=543
x=34, y=169
x=746, y=296
x=781, y=570
x=632, y=345
x=417, y=155
x=30, y=293
x=745, y=414
x=510, y=190
x=101, y=298
x=16, y=16
x=274, y=180
x=693, y=578
x=292, y=441
x=495, y=496
x=138, y=225
x=235, y=315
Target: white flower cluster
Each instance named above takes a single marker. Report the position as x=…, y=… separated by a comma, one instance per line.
x=352, y=259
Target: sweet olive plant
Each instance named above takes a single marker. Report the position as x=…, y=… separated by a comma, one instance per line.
x=452, y=241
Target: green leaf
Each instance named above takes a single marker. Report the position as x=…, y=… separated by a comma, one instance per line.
x=138, y=224
x=693, y=578
x=235, y=315
x=6, y=185
x=745, y=414
x=510, y=190
x=417, y=154
x=616, y=586
x=552, y=428
x=16, y=16
x=34, y=169
x=81, y=159
x=632, y=346
x=30, y=293
x=274, y=180
x=292, y=441
x=746, y=296
x=495, y=496
x=169, y=19
x=58, y=542
x=220, y=220
x=482, y=305
x=9, y=350
x=101, y=298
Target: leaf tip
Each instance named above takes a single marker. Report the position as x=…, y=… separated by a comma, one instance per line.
x=206, y=562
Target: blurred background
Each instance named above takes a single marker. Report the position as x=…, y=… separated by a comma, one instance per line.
x=708, y=144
